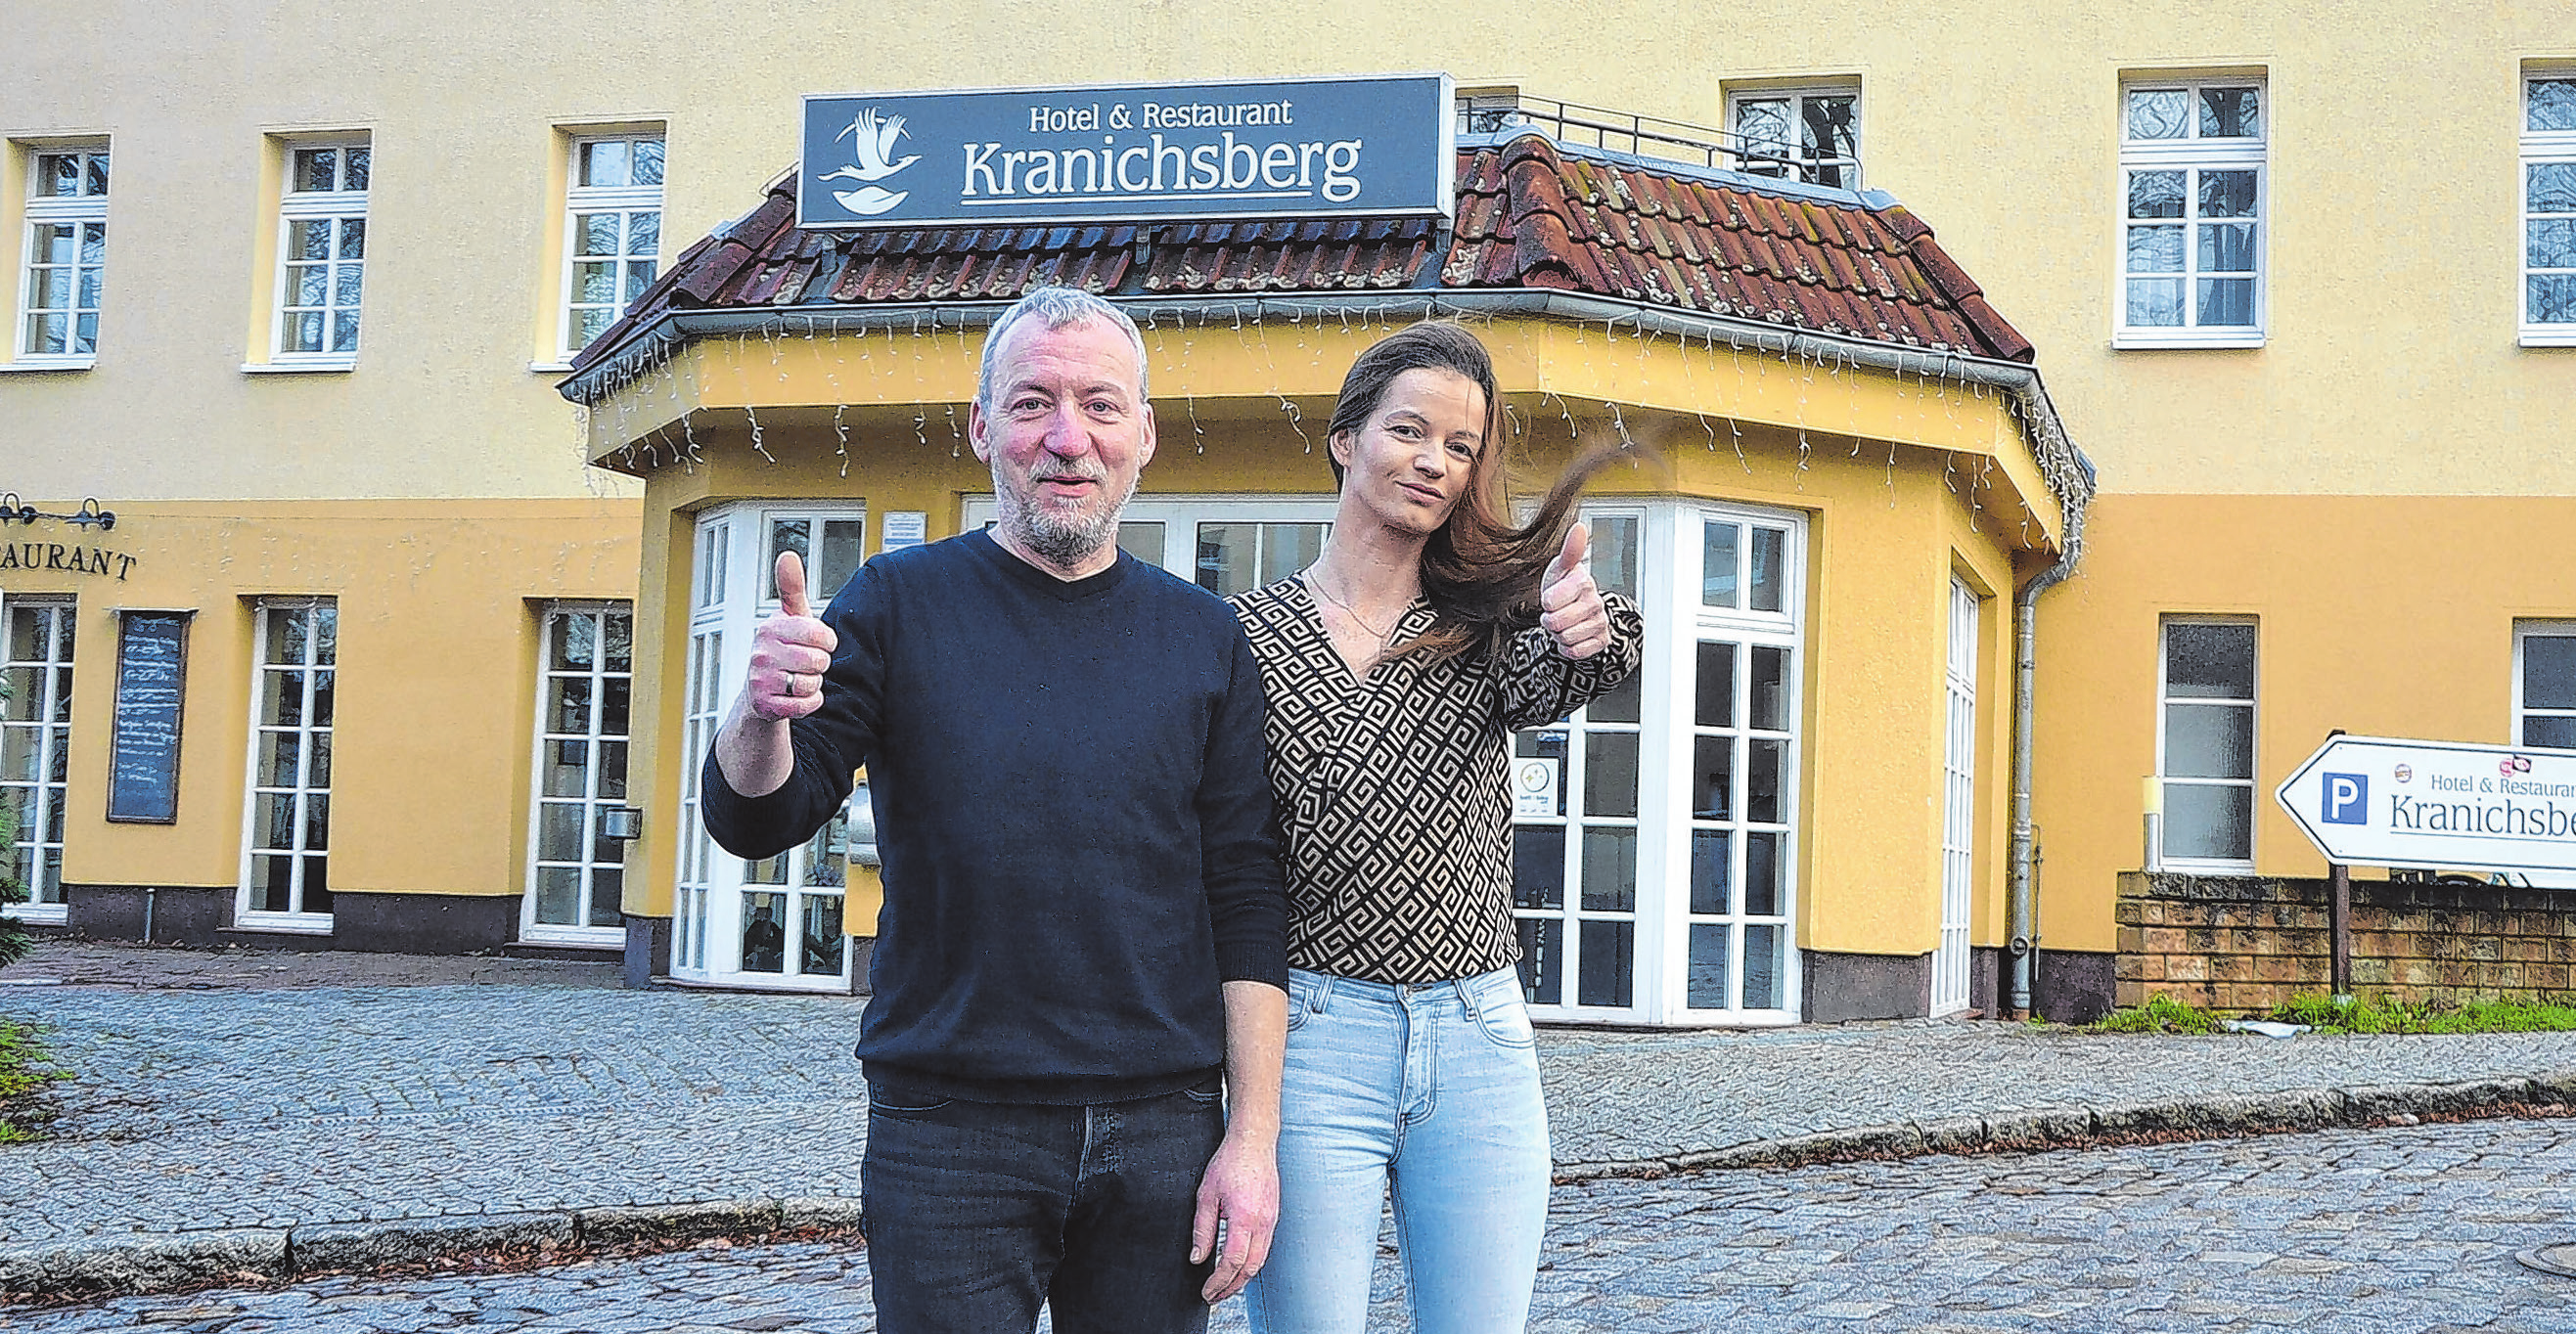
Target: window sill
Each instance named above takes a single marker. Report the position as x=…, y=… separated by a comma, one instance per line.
x=566, y=937
x=285, y=924
x=2161, y=342
x=2550, y=336
x=549, y=367
x=47, y=366
x=38, y=914
x=340, y=366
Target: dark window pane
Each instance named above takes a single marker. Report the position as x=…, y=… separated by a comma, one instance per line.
x=2556, y=731
x=1603, y=976
x=823, y=943
x=2231, y=113
x=1769, y=578
x=1614, y=555
x=2156, y=194
x=1713, y=778
x=1610, y=870
x=2549, y=243
x=1542, y=960
x=1610, y=773
x=1715, y=686
x=2226, y=194
x=2549, y=671
x=2227, y=247
x=764, y=933
x=607, y=885
x=1762, y=967
x=2209, y=821
x=1712, y=872
x=2209, y=661
x=355, y=178
x=1769, y=707
x=1708, y=965
x=1538, y=867
x=1717, y=573
x=2227, y=302
x=1761, y=875
x=1762, y=781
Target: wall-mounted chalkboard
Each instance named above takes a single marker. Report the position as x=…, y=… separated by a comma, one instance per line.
x=151, y=683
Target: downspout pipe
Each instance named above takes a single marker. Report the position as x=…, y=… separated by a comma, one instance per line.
x=2023, y=924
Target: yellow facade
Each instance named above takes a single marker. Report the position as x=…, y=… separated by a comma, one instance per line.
x=2382, y=484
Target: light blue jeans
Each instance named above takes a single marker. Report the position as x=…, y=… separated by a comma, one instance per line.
x=1429, y=1090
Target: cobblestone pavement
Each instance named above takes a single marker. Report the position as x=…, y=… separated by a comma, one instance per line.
x=265, y=1104
x=2387, y=1231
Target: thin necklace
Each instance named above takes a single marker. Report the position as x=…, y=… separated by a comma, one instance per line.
x=1384, y=637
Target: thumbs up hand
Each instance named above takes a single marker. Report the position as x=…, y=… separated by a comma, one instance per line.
x=1570, y=607
x=790, y=652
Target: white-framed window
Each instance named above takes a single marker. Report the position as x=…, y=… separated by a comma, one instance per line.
x=64, y=267
x=778, y=921
x=585, y=684
x=1655, y=830
x=2544, y=684
x=2549, y=209
x=286, y=824
x=612, y=231
x=1950, y=980
x=35, y=742
x=1800, y=134
x=2205, y=741
x=2193, y=200
x=322, y=253
x=1224, y=544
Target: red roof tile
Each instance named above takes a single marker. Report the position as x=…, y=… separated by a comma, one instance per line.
x=1530, y=214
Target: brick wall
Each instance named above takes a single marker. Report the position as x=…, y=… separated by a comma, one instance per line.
x=2245, y=943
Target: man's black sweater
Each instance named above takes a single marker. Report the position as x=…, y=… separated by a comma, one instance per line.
x=1072, y=812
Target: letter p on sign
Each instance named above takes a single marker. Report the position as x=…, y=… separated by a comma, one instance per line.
x=2347, y=799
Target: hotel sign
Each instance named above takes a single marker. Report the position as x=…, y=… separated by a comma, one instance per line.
x=2436, y=804
x=1309, y=148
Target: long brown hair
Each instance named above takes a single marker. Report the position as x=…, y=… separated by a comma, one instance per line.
x=1480, y=571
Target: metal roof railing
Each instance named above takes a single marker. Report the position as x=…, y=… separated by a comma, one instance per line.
x=1489, y=110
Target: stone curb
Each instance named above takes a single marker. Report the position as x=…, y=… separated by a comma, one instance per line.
x=2213, y=1116
x=98, y=1268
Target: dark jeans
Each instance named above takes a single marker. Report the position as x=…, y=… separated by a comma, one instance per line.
x=979, y=1212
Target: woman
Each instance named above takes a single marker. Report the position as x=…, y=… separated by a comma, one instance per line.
x=1397, y=667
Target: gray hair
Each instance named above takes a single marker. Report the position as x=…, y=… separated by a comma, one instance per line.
x=1058, y=306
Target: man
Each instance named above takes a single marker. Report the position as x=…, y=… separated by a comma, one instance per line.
x=1084, y=912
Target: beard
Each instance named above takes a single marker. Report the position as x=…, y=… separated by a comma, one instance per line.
x=1058, y=537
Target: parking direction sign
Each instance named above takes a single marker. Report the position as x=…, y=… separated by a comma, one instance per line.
x=2380, y=801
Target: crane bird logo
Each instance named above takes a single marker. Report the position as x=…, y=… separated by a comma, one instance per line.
x=873, y=140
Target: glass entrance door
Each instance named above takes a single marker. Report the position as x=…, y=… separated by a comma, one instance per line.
x=776, y=922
